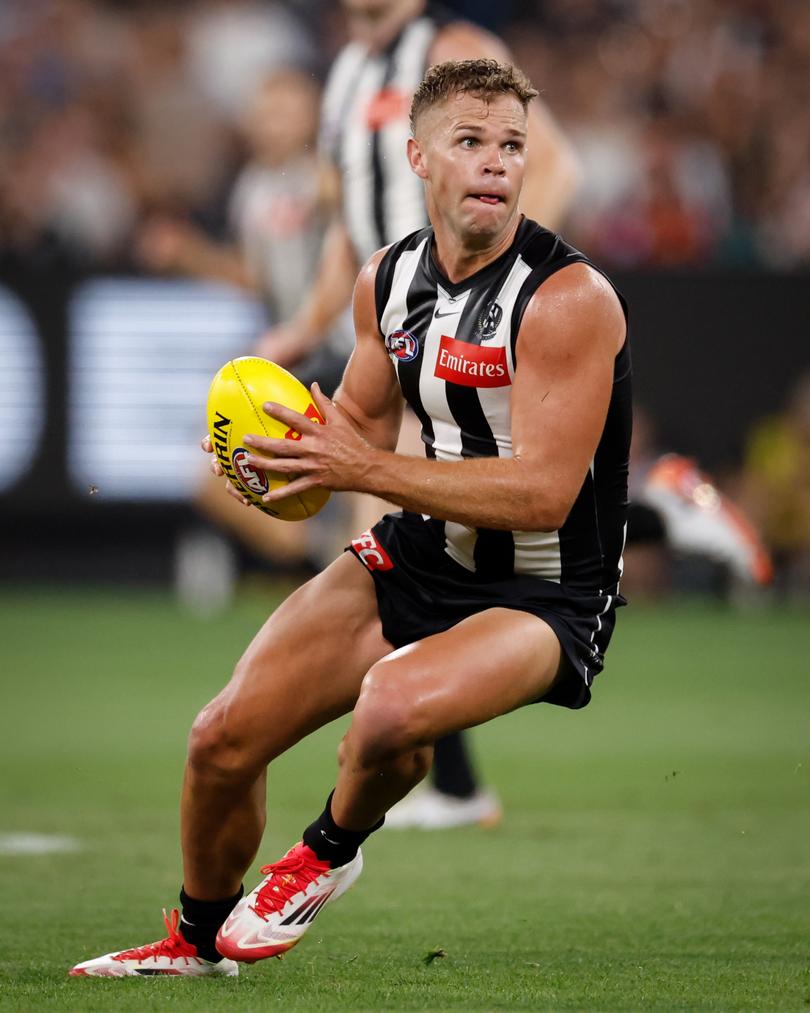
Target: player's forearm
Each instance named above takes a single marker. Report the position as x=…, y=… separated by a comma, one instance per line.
x=380, y=431
x=504, y=494
x=205, y=260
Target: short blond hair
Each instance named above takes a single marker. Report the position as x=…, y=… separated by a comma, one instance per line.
x=482, y=78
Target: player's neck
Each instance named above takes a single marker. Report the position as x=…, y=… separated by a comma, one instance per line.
x=459, y=256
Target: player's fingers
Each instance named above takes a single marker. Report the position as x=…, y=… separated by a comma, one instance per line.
x=300, y=423
x=322, y=402
x=290, y=489
x=233, y=491
x=206, y=444
x=267, y=446
x=278, y=465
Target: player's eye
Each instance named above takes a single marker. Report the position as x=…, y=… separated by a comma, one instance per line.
x=513, y=146
x=469, y=142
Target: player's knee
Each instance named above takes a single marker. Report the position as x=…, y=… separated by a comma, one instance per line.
x=384, y=721
x=215, y=747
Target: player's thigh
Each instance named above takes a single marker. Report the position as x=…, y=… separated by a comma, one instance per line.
x=486, y=665
x=306, y=664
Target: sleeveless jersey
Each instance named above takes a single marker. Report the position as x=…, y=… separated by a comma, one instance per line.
x=365, y=130
x=454, y=350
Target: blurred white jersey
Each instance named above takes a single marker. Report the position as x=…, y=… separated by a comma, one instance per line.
x=364, y=133
x=274, y=214
x=276, y=217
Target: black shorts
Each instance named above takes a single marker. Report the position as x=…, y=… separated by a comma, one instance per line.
x=422, y=591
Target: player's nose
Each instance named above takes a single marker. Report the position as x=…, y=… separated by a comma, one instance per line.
x=493, y=163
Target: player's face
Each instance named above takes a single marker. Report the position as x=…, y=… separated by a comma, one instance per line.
x=472, y=154
x=282, y=120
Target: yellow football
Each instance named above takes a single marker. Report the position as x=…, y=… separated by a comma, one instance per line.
x=235, y=401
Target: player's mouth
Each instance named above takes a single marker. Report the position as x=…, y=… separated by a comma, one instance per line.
x=489, y=198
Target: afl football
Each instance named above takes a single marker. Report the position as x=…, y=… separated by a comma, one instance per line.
x=235, y=401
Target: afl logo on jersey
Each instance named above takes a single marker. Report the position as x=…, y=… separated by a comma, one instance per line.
x=402, y=345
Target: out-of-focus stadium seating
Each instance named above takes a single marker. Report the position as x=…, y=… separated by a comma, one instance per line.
x=692, y=118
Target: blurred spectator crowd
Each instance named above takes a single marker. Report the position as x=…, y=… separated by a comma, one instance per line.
x=691, y=117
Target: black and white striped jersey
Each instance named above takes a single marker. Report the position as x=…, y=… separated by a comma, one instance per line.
x=365, y=130
x=454, y=349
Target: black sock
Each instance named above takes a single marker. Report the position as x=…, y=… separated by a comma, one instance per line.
x=453, y=772
x=201, y=920
x=332, y=843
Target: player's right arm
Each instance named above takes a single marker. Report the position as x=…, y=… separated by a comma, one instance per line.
x=369, y=392
x=169, y=245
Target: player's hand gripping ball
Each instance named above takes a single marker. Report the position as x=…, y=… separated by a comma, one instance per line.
x=235, y=401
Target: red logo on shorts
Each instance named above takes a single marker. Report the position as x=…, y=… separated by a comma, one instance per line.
x=371, y=553
x=471, y=365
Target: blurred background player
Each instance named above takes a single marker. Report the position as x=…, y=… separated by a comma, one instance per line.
x=678, y=515
x=776, y=489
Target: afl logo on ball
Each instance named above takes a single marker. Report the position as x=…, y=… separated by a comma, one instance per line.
x=250, y=478
x=402, y=345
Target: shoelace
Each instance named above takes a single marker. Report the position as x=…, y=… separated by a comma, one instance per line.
x=291, y=874
x=175, y=945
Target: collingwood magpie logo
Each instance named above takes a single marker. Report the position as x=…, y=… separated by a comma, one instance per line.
x=489, y=320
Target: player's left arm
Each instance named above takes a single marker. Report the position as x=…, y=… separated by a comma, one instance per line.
x=369, y=396
x=553, y=171
x=571, y=333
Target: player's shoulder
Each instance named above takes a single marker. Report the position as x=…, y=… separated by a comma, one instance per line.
x=368, y=272
x=376, y=275
x=578, y=281
x=576, y=302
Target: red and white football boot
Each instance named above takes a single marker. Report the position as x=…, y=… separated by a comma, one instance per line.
x=172, y=956
x=700, y=520
x=272, y=918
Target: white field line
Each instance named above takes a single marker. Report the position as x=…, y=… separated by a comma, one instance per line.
x=37, y=844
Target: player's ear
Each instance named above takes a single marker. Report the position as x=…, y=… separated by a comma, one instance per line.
x=416, y=157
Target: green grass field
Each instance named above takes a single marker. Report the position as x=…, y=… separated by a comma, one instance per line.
x=655, y=853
